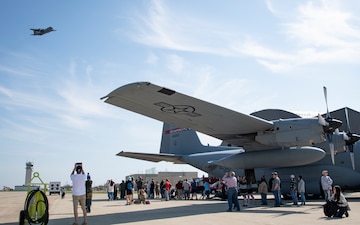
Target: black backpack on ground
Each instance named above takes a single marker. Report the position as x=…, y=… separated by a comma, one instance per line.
x=330, y=208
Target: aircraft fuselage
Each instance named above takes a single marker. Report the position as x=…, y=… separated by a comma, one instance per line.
x=341, y=173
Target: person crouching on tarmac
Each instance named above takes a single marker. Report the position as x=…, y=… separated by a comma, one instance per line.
x=341, y=202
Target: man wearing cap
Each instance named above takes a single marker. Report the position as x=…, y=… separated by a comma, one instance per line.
x=78, y=191
x=326, y=183
x=293, y=190
x=232, y=191
x=88, y=187
x=276, y=189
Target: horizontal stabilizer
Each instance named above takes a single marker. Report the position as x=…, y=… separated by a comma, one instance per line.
x=152, y=157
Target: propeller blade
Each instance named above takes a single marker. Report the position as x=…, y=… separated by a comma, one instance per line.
x=350, y=139
x=322, y=121
x=347, y=119
x=332, y=152
x=327, y=108
x=352, y=157
x=332, y=124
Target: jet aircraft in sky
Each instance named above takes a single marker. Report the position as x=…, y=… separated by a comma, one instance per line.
x=42, y=31
x=252, y=145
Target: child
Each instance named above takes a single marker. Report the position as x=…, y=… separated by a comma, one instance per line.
x=142, y=196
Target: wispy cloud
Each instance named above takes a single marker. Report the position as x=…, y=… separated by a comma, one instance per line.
x=66, y=99
x=321, y=32
x=175, y=63
x=15, y=71
x=152, y=59
x=163, y=27
x=324, y=25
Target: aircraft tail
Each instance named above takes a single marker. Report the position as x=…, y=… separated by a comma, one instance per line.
x=180, y=141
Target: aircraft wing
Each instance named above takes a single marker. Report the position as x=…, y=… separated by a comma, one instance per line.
x=185, y=111
x=152, y=157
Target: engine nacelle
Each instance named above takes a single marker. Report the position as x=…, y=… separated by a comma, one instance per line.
x=292, y=132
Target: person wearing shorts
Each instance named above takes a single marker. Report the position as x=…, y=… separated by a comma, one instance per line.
x=78, y=191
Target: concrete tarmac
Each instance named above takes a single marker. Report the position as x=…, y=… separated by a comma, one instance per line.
x=178, y=212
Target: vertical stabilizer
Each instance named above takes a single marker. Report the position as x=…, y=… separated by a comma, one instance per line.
x=180, y=141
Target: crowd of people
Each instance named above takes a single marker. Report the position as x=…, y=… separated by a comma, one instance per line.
x=230, y=185
x=336, y=203
x=183, y=190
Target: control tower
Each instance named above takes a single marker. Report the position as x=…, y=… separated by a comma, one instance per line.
x=29, y=166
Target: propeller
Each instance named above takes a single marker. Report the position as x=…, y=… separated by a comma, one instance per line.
x=329, y=126
x=350, y=139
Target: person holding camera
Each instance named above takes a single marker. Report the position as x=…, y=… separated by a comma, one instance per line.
x=78, y=191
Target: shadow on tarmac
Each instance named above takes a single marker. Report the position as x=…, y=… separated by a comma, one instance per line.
x=182, y=211
x=166, y=213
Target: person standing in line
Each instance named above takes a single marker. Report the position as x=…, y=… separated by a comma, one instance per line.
x=108, y=189
x=139, y=186
x=167, y=189
x=276, y=189
x=179, y=190
x=88, y=185
x=148, y=187
x=152, y=189
x=263, y=190
x=186, y=186
x=63, y=192
x=129, y=191
x=78, y=191
x=207, y=189
x=111, y=189
x=157, y=189
x=232, y=191
x=193, y=189
x=326, y=183
x=162, y=189
x=293, y=190
x=301, y=189
x=122, y=189
x=245, y=184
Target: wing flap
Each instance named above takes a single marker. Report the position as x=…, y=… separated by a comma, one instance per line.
x=152, y=157
x=184, y=111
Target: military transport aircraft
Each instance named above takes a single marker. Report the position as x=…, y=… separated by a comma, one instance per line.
x=252, y=145
x=42, y=31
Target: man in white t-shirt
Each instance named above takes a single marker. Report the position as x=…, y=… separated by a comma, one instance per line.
x=78, y=191
x=326, y=183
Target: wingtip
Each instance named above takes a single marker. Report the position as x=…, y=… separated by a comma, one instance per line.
x=102, y=98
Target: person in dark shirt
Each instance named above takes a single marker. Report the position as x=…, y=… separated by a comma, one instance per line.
x=88, y=185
